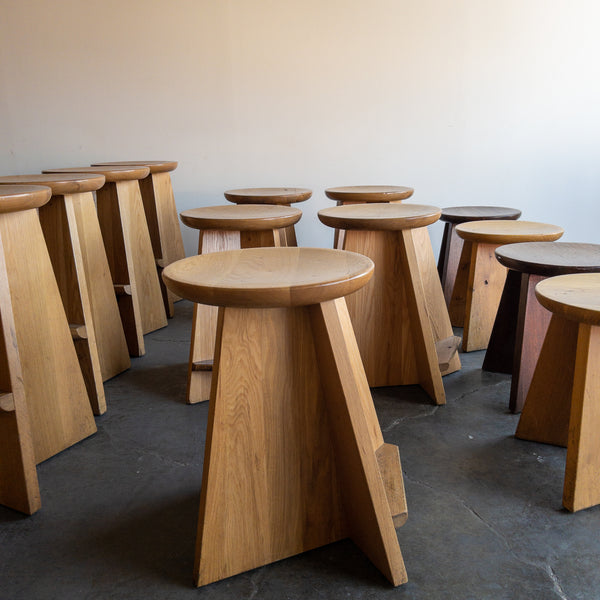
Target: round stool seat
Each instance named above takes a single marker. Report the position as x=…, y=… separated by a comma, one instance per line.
x=155, y=166
x=550, y=258
x=268, y=195
x=59, y=184
x=242, y=217
x=378, y=216
x=369, y=193
x=508, y=232
x=111, y=174
x=576, y=297
x=268, y=277
x=464, y=214
x=14, y=198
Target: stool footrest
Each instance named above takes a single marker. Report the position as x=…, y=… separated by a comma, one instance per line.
x=390, y=469
x=203, y=365
x=446, y=349
x=7, y=402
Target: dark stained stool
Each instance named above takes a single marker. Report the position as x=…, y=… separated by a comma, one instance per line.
x=452, y=244
x=563, y=402
x=521, y=322
x=294, y=455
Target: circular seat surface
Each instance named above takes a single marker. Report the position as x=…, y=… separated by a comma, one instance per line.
x=268, y=277
x=268, y=195
x=111, y=173
x=60, y=184
x=508, y=232
x=376, y=216
x=463, y=214
x=241, y=217
x=369, y=193
x=155, y=166
x=575, y=297
x=14, y=198
x=550, y=258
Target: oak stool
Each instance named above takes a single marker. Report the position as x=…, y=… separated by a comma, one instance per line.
x=226, y=228
x=480, y=277
x=563, y=402
x=294, y=458
x=129, y=251
x=280, y=196
x=521, y=322
x=161, y=215
x=400, y=317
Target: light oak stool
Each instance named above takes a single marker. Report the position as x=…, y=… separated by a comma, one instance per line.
x=451, y=247
x=563, y=402
x=280, y=196
x=161, y=215
x=37, y=341
x=72, y=232
x=227, y=228
x=129, y=251
x=521, y=322
x=480, y=277
x=294, y=457
x=404, y=334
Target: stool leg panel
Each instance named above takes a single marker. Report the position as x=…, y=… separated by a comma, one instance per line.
x=261, y=239
x=451, y=265
x=458, y=295
x=443, y=255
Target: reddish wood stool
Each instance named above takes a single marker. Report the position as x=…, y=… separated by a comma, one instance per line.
x=294, y=457
x=399, y=327
x=521, y=322
x=563, y=402
x=161, y=215
x=480, y=277
x=129, y=251
x=227, y=228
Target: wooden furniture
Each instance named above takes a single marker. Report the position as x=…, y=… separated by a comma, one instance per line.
x=227, y=228
x=280, y=196
x=480, y=277
x=400, y=318
x=44, y=400
x=161, y=215
x=129, y=251
x=72, y=233
x=521, y=322
x=294, y=456
x=451, y=247
x=563, y=402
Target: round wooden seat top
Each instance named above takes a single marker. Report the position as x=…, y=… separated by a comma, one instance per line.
x=369, y=193
x=14, y=198
x=464, y=214
x=268, y=277
x=508, y=232
x=550, y=258
x=241, y=217
x=575, y=297
x=379, y=217
x=155, y=166
x=268, y=195
x=60, y=184
x=112, y=174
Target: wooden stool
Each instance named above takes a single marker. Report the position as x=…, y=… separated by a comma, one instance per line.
x=161, y=215
x=451, y=247
x=294, y=456
x=72, y=232
x=227, y=228
x=480, y=277
x=563, y=403
x=281, y=196
x=400, y=318
x=37, y=337
x=129, y=251
x=522, y=322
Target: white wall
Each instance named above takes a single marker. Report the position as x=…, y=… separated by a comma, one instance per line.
x=467, y=101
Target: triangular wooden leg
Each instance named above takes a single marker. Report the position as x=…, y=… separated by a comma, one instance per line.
x=458, y=294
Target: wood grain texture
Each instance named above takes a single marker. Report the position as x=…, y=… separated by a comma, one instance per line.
x=112, y=174
x=463, y=214
x=508, y=232
x=273, y=195
x=155, y=166
x=14, y=198
x=60, y=184
x=449, y=261
x=458, y=297
x=241, y=217
x=369, y=193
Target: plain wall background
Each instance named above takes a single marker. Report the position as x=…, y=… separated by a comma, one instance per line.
x=467, y=101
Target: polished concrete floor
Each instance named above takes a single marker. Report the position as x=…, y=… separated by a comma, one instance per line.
x=119, y=510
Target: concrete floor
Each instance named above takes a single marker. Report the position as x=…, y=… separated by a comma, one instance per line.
x=119, y=510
